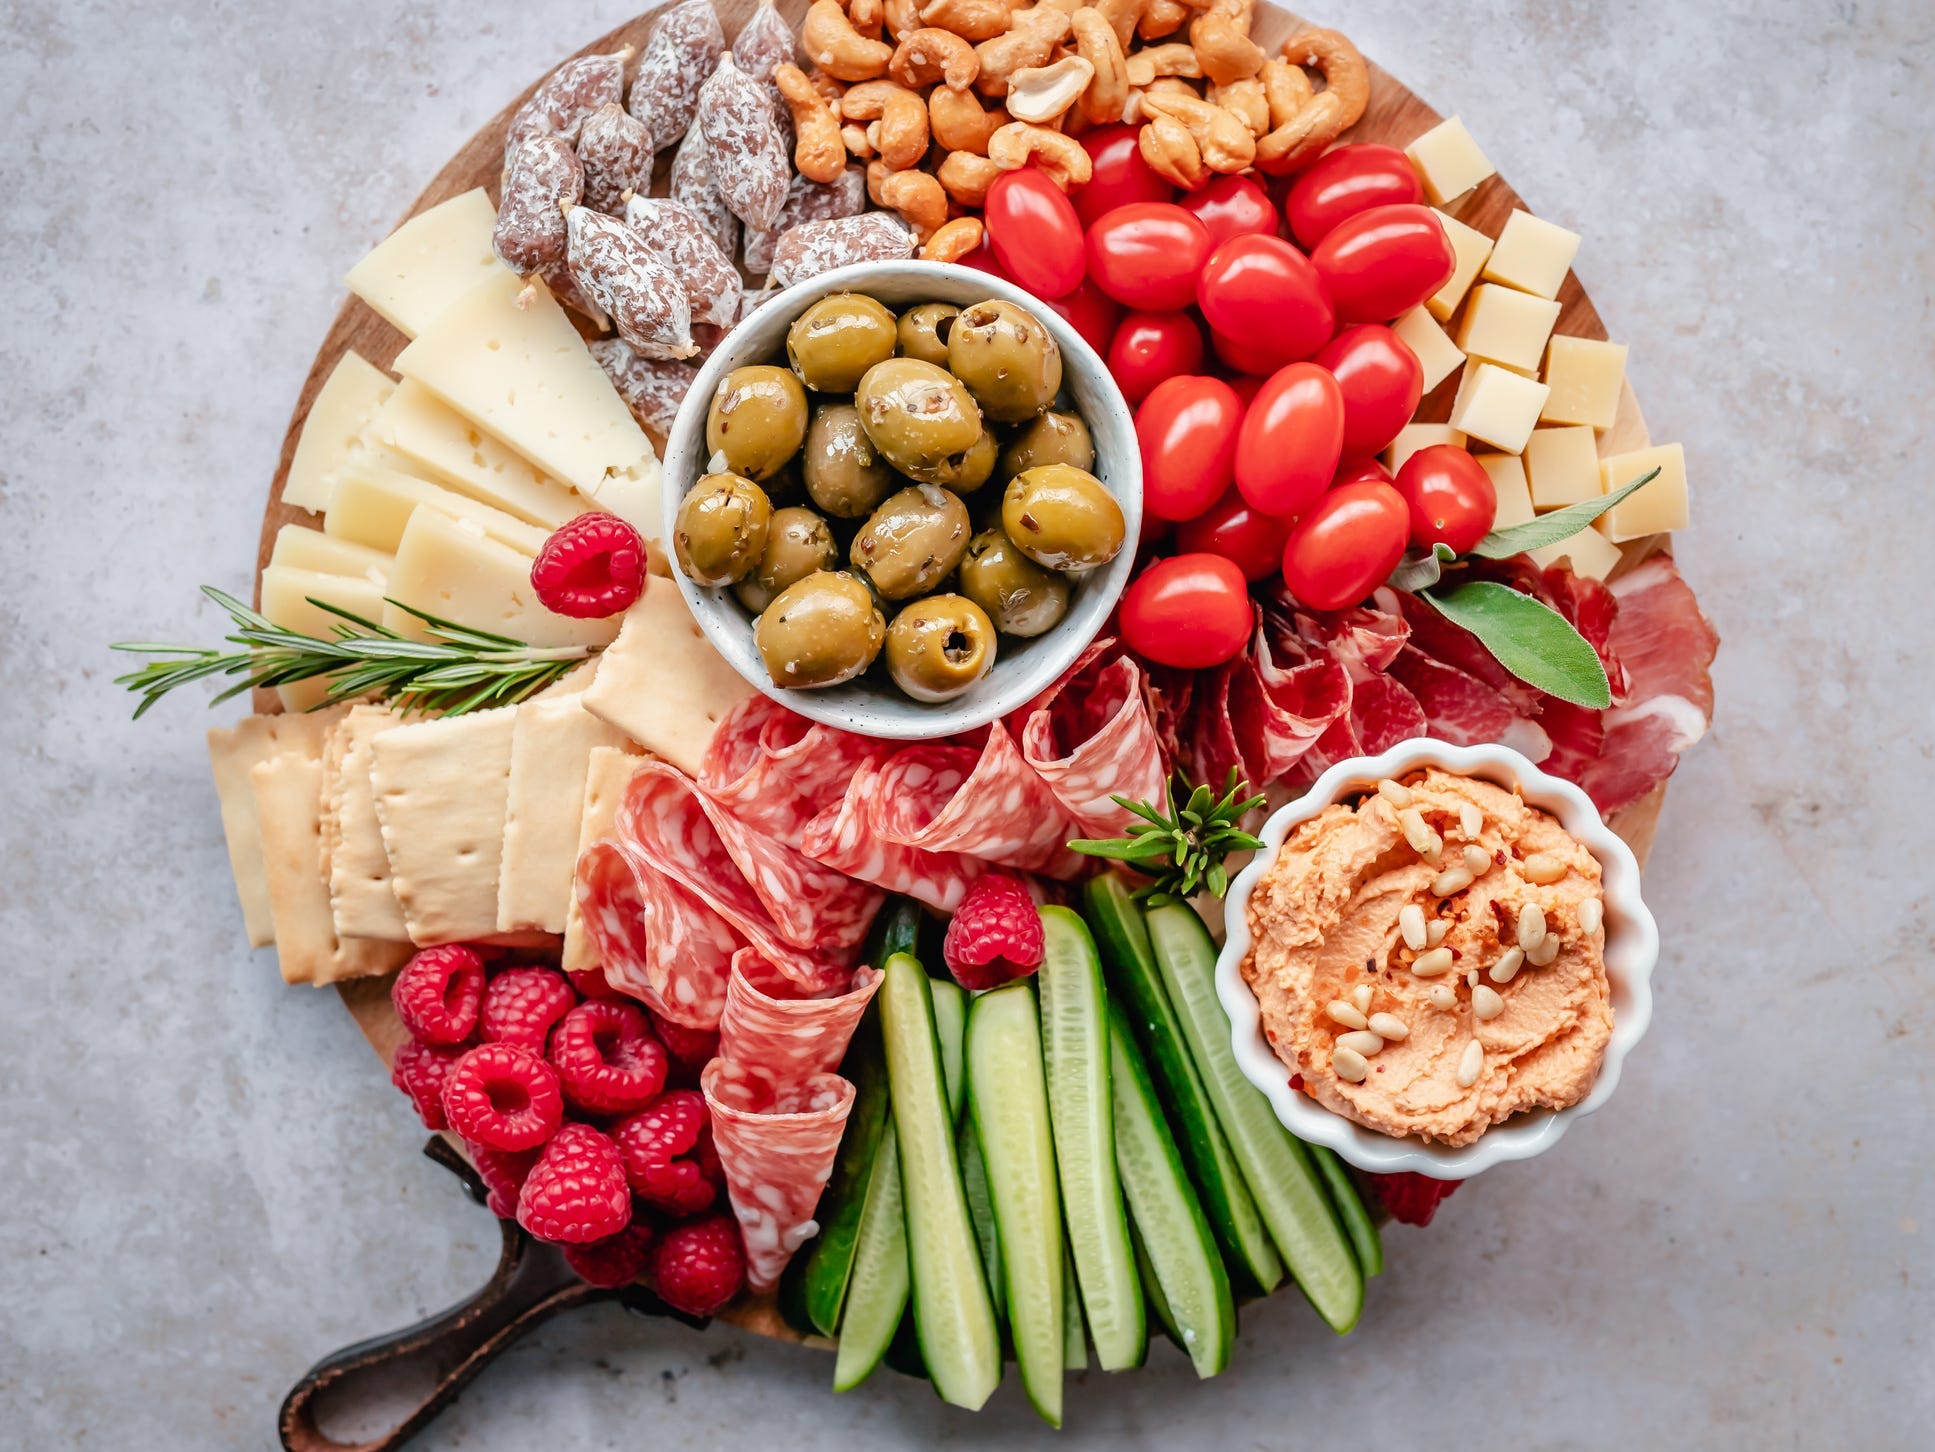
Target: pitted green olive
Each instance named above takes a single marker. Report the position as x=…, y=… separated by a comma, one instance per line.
x=939, y=647
x=1007, y=359
x=798, y=544
x=923, y=332
x=912, y=542
x=918, y=415
x=1062, y=518
x=819, y=631
x=844, y=473
x=1054, y=438
x=1019, y=596
x=722, y=527
x=757, y=419
x=839, y=338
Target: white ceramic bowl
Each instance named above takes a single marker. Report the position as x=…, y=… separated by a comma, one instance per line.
x=1632, y=948
x=869, y=704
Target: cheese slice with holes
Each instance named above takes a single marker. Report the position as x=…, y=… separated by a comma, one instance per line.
x=302, y=548
x=551, y=746
x=361, y=900
x=661, y=682
x=370, y=506
x=450, y=450
x=507, y=358
x=287, y=594
x=607, y=774
x=333, y=429
x=449, y=568
x=430, y=262
x=288, y=797
x=233, y=752
x=440, y=789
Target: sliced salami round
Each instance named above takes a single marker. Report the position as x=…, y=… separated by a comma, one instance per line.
x=658, y=943
x=843, y=837
x=794, y=1037
x=775, y=770
x=990, y=805
x=1091, y=740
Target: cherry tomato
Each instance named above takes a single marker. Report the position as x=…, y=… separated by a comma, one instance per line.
x=1381, y=380
x=982, y=259
x=1449, y=495
x=1243, y=359
x=1090, y=312
x=1383, y=262
x=1238, y=531
x=1149, y=347
x=1147, y=254
x=1247, y=386
x=1291, y=440
x=1190, y=610
x=1352, y=470
x=1265, y=297
x=1187, y=428
x=1120, y=177
x=1232, y=206
x=1344, y=182
x=1033, y=229
x=1347, y=546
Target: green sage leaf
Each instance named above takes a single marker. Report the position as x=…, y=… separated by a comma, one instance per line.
x=1418, y=571
x=1549, y=529
x=1530, y=639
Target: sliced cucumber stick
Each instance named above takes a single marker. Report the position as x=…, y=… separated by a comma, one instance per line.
x=1075, y=1043
x=974, y=1183
x=1074, y=1340
x=1281, y=1178
x=829, y=1264
x=1152, y=1288
x=1350, y=1208
x=950, y=1026
x=876, y=1294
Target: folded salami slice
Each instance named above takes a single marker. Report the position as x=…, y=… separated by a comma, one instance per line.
x=796, y=1038
x=1093, y=739
x=776, y=1144
x=990, y=805
x=775, y=770
x=656, y=941
x=811, y=905
x=843, y=837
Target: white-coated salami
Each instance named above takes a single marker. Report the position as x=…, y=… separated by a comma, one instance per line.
x=811, y=248
x=544, y=177
x=570, y=94
x=684, y=47
x=653, y=388
x=673, y=231
x=621, y=274
x=744, y=150
x=808, y=201
x=691, y=183
x=616, y=152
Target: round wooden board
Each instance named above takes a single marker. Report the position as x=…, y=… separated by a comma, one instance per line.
x=1394, y=116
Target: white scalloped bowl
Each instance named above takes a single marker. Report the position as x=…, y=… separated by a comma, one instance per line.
x=1632, y=949
x=1023, y=669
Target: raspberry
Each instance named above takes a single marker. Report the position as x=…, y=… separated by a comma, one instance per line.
x=504, y=1097
x=995, y=935
x=419, y=1070
x=503, y=1173
x=615, y=1261
x=1410, y=1198
x=691, y=1049
x=592, y=983
x=607, y=1059
x=520, y=1006
x=668, y=1154
x=438, y=993
x=699, y=1267
x=590, y=567
x=576, y=1192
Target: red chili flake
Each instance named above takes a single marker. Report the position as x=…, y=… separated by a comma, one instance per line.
x=1296, y=1082
x=1456, y=955
x=1499, y=857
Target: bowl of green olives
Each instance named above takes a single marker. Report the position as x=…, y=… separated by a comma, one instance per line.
x=902, y=497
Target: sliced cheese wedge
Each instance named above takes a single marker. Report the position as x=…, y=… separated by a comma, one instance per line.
x=449, y=568
x=370, y=506
x=607, y=774
x=287, y=594
x=302, y=548
x=551, y=747
x=447, y=448
x=430, y=262
x=361, y=900
x=344, y=406
x=662, y=683
x=235, y=751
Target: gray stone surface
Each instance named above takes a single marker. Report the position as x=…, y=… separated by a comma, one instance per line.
x=206, y=1182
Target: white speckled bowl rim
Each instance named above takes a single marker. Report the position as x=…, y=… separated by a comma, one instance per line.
x=1632, y=950
x=1022, y=669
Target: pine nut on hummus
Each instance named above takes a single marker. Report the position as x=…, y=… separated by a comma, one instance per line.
x=1490, y=984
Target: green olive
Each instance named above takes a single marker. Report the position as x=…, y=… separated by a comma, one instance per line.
x=819, y=631
x=1062, y=517
x=1054, y=438
x=965, y=473
x=1007, y=359
x=723, y=524
x=923, y=332
x=757, y=420
x=939, y=647
x=918, y=415
x=844, y=474
x=912, y=542
x=797, y=544
x=837, y=339
x=1020, y=596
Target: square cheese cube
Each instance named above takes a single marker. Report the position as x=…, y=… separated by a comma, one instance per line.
x=1497, y=406
x=1448, y=161
x=1507, y=473
x=1413, y=437
x=1584, y=375
x=1562, y=466
x=1660, y=507
x=1469, y=248
x=1437, y=354
x=1502, y=325
x=1589, y=553
x=1532, y=255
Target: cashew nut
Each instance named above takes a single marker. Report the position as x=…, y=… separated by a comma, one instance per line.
x=1165, y=143
x=1332, y=56
x=931, y=55
x=1286, y=88
x=903, y=17
x=1221, y=138
x=830, y=90
x=1122, y=16
x=953, y=240
x=1061, y=158
x=966, y=177
x=1096, y=43
x=1041, y=93
x=866, y=17
x=1174, y=59
x=831, y=43
x=1160, y=18
x=902, y=137
x=854, y=137
x=1031, y=42
x=1222, y=40
x=818, y=153
x=1244, y=99
x=916, y=195
x=1299, y=136
x=975, y=20
x=959, y=121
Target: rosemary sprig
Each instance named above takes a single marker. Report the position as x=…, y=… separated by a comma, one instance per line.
x=458, y=669
x=1182, y=852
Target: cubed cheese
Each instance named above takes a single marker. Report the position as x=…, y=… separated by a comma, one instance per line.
x=607, y=774
x=287, y=596
x=232, y=754
x=1588, y=552
x=1437, y=355
x=430, y=262
x=1659, y=507
x=342, y=409
x=302, y=548
x=1497, y=407
x=551, y=746
x=1449, y=162
x=451, y=569
x=662, y=683
x=1413, y=437
x=1562, y=465
x=371, y=505
x=1507, y=473
x=1584, y=375
x=450, y=450
x=1469, y=247
x=361, y=900
x=1532, y=255
x=1503, y=325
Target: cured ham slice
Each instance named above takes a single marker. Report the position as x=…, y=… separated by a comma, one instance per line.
x=794, y=1037
x=1092, y=738
x=657, y=942
x=989, y=805
x=843, y=837
x=1457, y=706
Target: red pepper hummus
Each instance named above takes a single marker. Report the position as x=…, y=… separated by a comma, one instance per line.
x=1430, y=959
